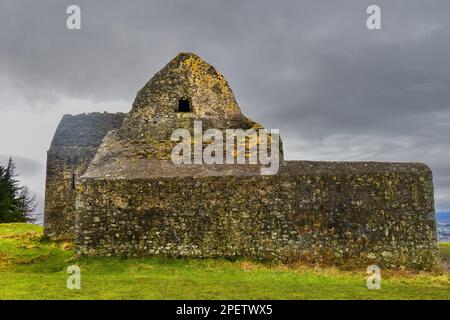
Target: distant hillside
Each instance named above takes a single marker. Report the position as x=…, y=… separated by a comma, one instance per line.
x=443, y=226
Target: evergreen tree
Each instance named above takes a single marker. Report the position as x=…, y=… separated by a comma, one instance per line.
x=5, y=199
x=16, y=203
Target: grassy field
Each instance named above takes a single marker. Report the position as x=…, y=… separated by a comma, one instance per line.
x=34, y=268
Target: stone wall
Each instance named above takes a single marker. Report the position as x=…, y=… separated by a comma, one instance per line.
x=345, y=214
x=74, y=145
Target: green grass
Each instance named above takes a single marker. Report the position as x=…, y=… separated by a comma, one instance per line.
x=34, y=268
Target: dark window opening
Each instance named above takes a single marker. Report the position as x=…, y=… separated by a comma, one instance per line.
x=73, y=181
x=184, y=106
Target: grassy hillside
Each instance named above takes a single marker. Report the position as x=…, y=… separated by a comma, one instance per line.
x=34, y=268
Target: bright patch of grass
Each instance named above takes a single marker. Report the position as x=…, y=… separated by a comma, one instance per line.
x=445, y=250
x=34, y=268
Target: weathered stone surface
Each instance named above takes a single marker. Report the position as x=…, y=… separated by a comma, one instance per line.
x=144, y=141
x=73, y=147
x=133, y=201
x=347, y=214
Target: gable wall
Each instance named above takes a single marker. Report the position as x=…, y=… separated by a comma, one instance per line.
x=73, y=147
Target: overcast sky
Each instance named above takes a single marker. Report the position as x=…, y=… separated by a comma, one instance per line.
x=336, y=90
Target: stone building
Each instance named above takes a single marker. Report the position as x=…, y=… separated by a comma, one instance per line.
x=112, y=187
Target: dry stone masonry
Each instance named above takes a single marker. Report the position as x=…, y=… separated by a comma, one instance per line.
x=112, y=187
x=72, y=149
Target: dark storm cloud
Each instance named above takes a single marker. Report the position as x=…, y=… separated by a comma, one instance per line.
x=311, y=68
